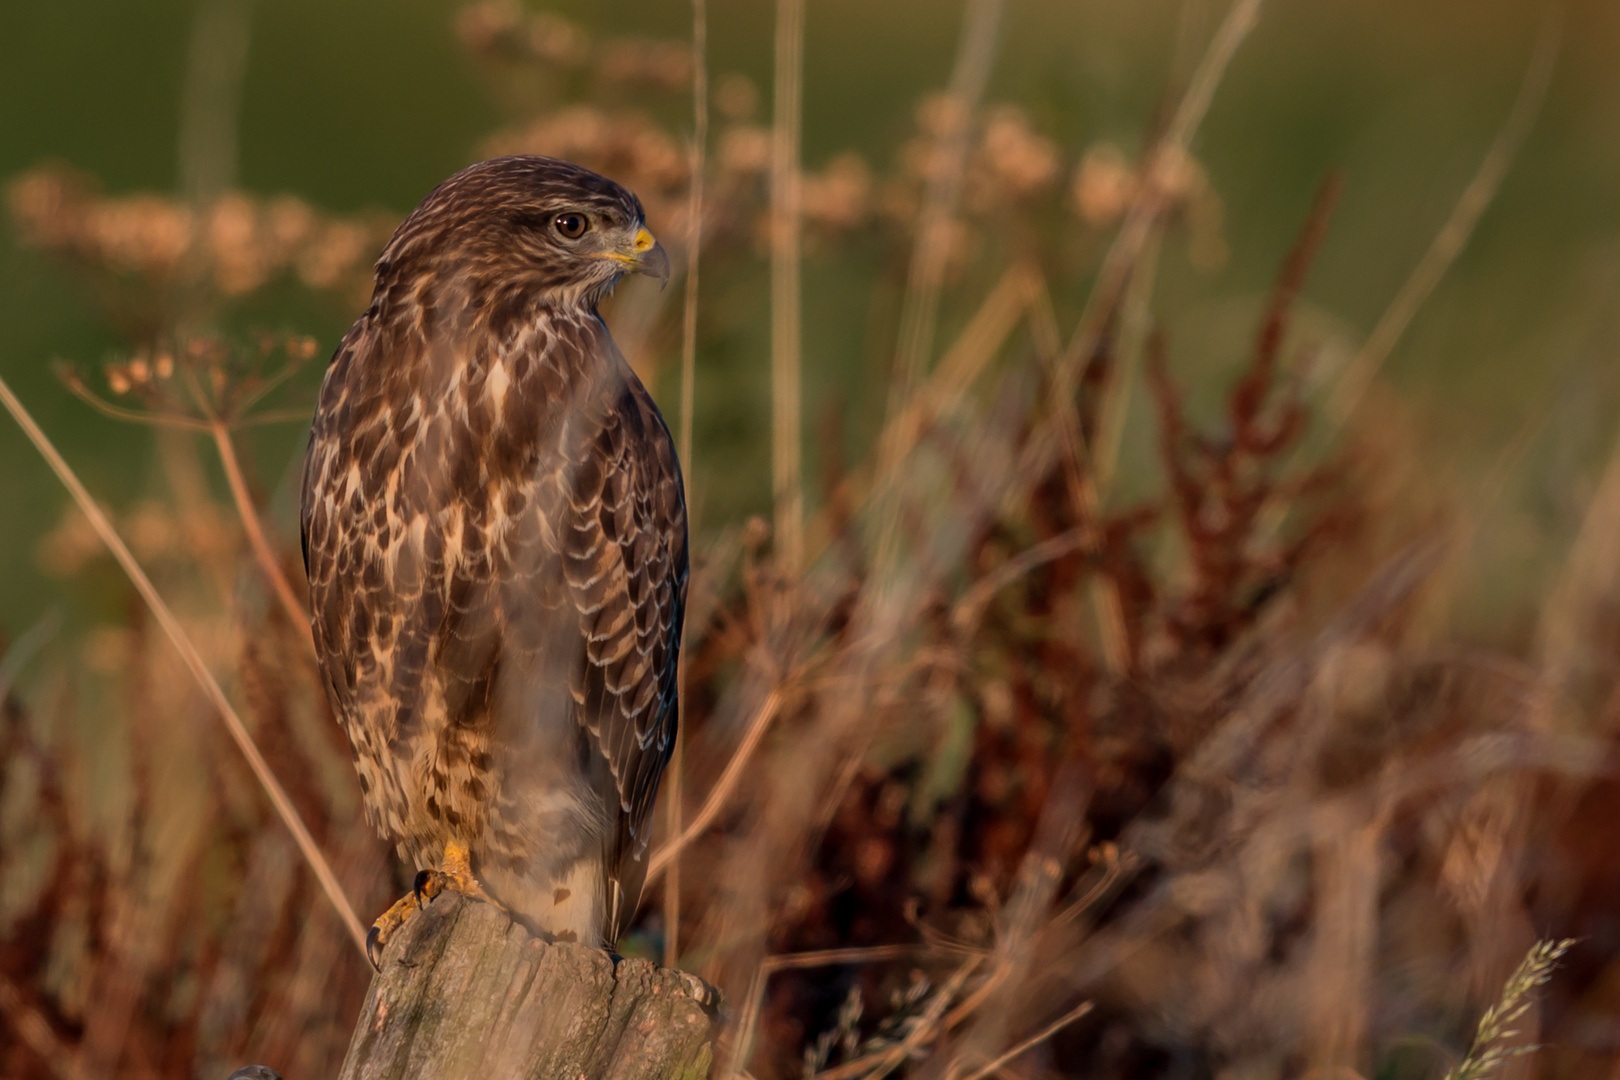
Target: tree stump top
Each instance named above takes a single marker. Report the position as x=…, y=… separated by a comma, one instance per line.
x=466, y=993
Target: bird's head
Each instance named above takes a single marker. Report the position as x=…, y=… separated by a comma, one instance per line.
x=524, y=228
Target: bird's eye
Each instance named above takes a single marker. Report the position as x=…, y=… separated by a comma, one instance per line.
x=572, y=226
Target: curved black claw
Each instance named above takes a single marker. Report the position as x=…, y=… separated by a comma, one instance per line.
x=457, y=877
x=374, y=947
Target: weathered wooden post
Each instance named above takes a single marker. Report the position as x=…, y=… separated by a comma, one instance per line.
x=464, y=993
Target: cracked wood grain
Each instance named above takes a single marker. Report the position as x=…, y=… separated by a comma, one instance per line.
x=466, y=993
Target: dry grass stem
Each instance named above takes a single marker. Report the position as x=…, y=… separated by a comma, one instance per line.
x=1591, y=574
x=992, y=1067
x=194, y=661
x=749, y=1018
x=258, y=542
x=134, y=416
x=931, y=1024
x=723, y=788
x=1167, y=154
x=983, y=336
x=930, y=253
x=675, y=778
x=1135, y=326
x=971, y=606
x=211, y=100
x=787, y=442
x=1166, y=158
x=1448, y=243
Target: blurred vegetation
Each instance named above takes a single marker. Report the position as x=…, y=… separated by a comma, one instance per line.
x=1136, y=687
x=365, y=106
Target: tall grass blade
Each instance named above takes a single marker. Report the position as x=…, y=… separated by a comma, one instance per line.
x=787, y=443
x=194, y=661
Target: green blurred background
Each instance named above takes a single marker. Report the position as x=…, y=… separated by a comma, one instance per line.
x=369, y=103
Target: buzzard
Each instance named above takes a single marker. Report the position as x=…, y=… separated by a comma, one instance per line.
x=494, y=529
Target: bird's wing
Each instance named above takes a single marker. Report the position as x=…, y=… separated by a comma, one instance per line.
x=329, y=530
x=624, y=548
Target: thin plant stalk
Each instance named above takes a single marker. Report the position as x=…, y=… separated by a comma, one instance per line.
x=193, y=661
x=1107, y=610
x=1453, y=236
x=694, y=217
x=1168, y=153
x=211, y=100
x=1034, y=1040
x=925, y=279
x=727, y=783
x=253, y=526
x=933, y=1022
x=1135, y=324
x=975, y=56
x=1123, y=255
x=209, y=135
x=176, y=420
x=1019, y=295
x=787, y=449
x=981, y=339
x=694, y=243
x=1358, y=375
x=800, y=961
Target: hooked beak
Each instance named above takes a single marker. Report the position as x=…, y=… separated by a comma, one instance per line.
x=650, y=257
x=645, y=256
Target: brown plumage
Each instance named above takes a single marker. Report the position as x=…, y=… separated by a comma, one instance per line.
x=494, y=528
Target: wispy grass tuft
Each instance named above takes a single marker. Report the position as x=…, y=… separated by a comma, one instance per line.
x=1491, y=1049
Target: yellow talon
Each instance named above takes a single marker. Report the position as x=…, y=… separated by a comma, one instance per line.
x=456, y=875
x=389, y=921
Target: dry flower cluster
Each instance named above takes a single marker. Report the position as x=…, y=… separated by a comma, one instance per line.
x=163, y=247
x=1016, y=779
x=547, y=62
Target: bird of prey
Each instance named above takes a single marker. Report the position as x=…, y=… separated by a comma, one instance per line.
x=494, y=529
